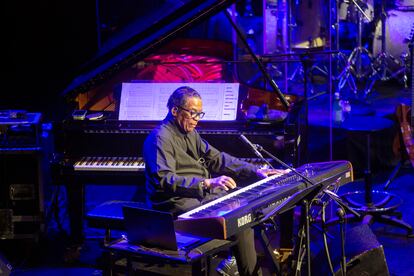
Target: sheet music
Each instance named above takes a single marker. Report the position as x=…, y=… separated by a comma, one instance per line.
x=148, y=101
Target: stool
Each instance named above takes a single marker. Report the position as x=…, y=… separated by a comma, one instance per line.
x=108, y=215
x=371, y=210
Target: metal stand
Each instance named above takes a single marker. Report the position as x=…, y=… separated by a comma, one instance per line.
x=374, y=205
x=341, y=61
x=382, y=71
x=300, y=73
x=393, y=174
x=341, y=215
x=269, y=251
x=262, y=68
x=354, y=66
x=305, y=233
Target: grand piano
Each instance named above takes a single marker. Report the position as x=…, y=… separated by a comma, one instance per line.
x=154, y=48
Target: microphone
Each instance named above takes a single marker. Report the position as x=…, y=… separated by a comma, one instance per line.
x=256, y=149
x=252, y=146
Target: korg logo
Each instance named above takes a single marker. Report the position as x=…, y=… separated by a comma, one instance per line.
x=244, y=220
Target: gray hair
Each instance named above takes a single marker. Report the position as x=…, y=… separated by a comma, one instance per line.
x=180, y=95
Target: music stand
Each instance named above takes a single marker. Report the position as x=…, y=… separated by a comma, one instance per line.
x=292, y=201
x=304, y=196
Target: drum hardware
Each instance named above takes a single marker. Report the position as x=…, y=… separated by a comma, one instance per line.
x=346, y=12
x=387, y=73
x=387, y=66
x=298, y=72
x=383, y=57
x=359, y=63
x=314, y=70
x=346, y=77
x=342, y=69
x=307, y=38
x=405, y=57
x=303, y=32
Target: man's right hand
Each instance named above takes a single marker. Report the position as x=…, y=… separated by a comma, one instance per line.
x=224, y=182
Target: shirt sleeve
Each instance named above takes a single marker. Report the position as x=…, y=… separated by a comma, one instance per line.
x=161, y=161
x=223, y=163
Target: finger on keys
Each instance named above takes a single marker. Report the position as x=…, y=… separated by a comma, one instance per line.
x=231, y=183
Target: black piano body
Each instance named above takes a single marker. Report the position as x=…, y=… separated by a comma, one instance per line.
x=109, y=151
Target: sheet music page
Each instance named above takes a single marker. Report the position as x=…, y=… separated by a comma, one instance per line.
x=148, y=101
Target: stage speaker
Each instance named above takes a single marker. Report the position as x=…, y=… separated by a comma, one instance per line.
x=364, y=254
x=21, y=194
x=5, y=266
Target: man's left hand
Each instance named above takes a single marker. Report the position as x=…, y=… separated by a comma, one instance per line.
x=263, y=173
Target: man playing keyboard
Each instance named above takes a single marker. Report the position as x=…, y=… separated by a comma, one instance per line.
x=179, y=165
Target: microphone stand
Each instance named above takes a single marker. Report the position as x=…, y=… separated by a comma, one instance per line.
x=329, y=193
x=306, y=206
x=286, y=166
x=343, y=208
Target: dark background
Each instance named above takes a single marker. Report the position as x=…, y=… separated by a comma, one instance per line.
x=46, y=43
x=43, y=44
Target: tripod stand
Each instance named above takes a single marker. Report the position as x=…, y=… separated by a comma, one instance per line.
x=308, y=38
x=384, y=61
x=354, y=68
x=340, y=58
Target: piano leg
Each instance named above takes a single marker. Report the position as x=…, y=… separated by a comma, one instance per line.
x=75, y=191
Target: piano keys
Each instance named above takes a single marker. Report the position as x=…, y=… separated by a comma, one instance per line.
x=243, y=208
x=130, y=164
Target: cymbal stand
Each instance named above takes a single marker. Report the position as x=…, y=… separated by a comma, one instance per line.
x=298, y=72
x=340, y=58
x=382, y=71
x=353, y=66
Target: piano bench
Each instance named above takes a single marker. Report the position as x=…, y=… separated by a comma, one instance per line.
x=108, y=216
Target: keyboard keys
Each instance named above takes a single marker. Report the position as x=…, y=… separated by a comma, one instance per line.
x=109, y=164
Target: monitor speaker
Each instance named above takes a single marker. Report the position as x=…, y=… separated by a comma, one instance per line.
x=21, y=194
x=5, y=266
x=364, y=254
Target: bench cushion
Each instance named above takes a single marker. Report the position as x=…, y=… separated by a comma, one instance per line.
x=109, y=215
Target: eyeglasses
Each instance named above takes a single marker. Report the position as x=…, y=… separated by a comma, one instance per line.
x=193, y=114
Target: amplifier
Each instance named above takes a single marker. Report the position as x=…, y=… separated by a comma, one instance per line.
x=21, y=194
x=19, y=131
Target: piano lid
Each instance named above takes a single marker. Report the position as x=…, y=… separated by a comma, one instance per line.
x=140, y=38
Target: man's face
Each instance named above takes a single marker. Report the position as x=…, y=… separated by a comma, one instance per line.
x=183, y=116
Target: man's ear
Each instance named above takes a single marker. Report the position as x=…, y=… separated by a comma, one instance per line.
x=174, y=111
